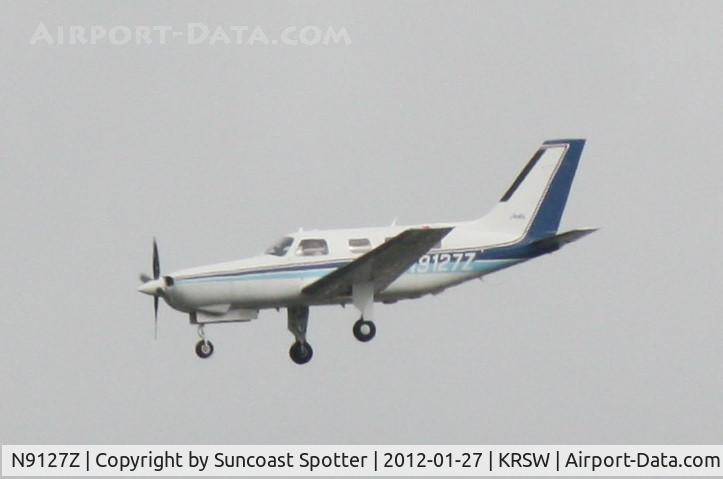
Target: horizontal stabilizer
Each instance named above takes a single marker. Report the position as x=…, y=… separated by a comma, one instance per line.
x=556, y=242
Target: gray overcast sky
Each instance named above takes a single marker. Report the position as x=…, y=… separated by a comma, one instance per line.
x=427, y=116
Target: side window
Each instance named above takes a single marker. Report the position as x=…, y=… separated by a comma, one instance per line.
x=312, y=247
x=359, y=245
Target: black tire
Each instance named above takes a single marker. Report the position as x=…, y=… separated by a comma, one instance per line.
x=204, y=348
x=364, y=330
x=301, y=353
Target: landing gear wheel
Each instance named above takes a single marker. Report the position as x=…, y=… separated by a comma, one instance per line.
x=204, y=348
x=301, y=353
x=364, y=330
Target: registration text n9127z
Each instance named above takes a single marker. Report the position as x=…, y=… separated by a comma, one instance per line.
x=444, y=263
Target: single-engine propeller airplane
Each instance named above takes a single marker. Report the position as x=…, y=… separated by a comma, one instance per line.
x=386, y=264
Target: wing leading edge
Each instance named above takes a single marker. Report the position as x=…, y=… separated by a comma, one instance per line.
x=380, y=266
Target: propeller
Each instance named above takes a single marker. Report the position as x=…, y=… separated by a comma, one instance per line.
x=154, y=286
x=156, y=275
x=156, y=261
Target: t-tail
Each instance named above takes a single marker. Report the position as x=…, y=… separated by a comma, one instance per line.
x=532, y=207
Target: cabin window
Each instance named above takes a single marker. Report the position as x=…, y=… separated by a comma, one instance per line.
x=359, y=245
x=312, y=247
x=280, y=247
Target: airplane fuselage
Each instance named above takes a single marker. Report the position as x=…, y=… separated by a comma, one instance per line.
x=269, y=281
x=385, y=264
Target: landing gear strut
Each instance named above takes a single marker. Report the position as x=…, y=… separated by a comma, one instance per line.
x=204, y=348
x=298, y=319
x=363, y=299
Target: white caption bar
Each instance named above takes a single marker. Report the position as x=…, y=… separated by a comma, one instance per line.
x=295, y=460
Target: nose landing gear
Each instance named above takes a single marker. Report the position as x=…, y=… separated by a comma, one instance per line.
x=204, y=348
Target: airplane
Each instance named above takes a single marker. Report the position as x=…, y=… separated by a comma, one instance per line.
x=387, y=264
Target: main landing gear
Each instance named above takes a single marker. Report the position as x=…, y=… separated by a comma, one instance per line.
x=204, y=348
x=301, y=351
x=298, y=319
x=364, y=330
x=362, y=295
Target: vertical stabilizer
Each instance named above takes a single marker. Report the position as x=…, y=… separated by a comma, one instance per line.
x=532, y=206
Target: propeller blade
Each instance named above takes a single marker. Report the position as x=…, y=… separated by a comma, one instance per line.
x=159, y=291
x=156, y=261
x=155, y=317
x=145, y=278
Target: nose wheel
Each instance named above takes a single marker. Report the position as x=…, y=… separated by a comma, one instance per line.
x=364, y=330
x=204, y=348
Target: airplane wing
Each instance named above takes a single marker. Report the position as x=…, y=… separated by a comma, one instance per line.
x=380, y=266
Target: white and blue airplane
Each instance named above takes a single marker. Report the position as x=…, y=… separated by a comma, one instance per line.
x=386, y=264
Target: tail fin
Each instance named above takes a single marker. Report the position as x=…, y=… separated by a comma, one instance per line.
x=532, y=206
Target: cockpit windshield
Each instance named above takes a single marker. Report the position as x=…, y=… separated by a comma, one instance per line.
x=280, y=247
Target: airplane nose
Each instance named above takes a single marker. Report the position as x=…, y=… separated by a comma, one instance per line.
x=150, y=287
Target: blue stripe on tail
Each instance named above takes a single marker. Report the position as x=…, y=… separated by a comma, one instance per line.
x=547, y=219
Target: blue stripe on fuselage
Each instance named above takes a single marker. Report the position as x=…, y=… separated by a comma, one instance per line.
x=484, y=261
